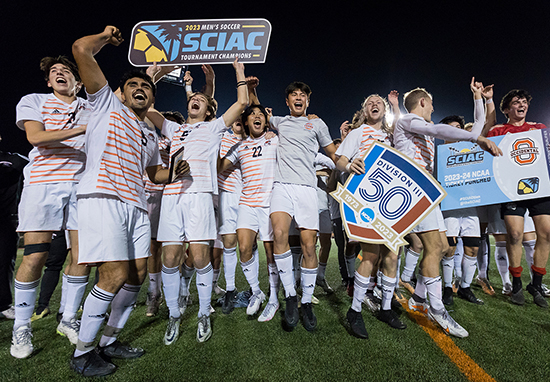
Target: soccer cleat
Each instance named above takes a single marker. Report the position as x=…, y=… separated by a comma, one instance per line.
x=418, y=306
x=356, y=324
x=314, y=300
x=204, y=329
x=228, y=302
x=255, y=303
x=291, y=311
x=40, y=313
x=468, y=295
x=485, y=285
x=91, y=364
x=537, y=296
x=545, y=290
x=323, y=284
x=447, y=297
x=9, y=313
x=408, y=285
x=507, y=289
x=308, y=317
x=517, y=298
x=447, y=323
x=172, y=330
x=183, y=301
x=218, y=290
x=269, y=311
x=391, y=318
x=153, y=303
x=21, y=344
x=372, y=302
x=119, y=350
x=69, y=329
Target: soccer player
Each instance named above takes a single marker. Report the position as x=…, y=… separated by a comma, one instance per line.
x=187, y=212
x=294, y=196
x=413, y=137
x=514, y=105
x=371, y=126
x=256, y=157
x=114, y=227
x=55, y=125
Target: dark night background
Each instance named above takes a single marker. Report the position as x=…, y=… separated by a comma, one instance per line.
x=343, y=50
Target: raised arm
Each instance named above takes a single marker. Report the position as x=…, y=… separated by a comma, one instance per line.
x=84, y=50
x=479, y=110
x=252, y=83
x=490, y=109
x=238, y=107
x=393, y=100
x=210, y=78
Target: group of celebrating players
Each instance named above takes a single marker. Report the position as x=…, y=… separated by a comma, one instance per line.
x=161, y=195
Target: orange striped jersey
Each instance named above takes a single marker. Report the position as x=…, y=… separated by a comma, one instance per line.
x=418, y=147
x=119, y=148
x=359, y=140
x=201, y=142
x=258, y=159
x=60, y=161
x=164, y=150
x=230, y=180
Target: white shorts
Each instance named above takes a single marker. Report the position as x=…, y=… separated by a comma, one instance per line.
x=325, y=224
x=432, y=222
x=460, y=223
x=299, y=201
x=153, y=209
x=257, y=220
x=187, y=217
x=111, y=230
x=48, y=207
x=227, y=212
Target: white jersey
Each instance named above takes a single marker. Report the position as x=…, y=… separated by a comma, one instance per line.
x=230, y=180
x=201, y=142
x=299, y=140
x=359, y=140
x=257, y=159
x=60, y=161
x=119, y=148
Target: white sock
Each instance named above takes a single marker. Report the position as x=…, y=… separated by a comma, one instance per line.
x=273, y=282
x=501, y=258
x=397, y=271
x=529, y=246
x=309, y=275
x=482, y=258
x=387, y=286
x=469, y=265
x=251, y=269
x=447, y=265
x=171, y=287
x=121, y=307
x=186, y=276
x=204, y=287
x=229, y=266
x=284, y=266
x=93, y=314
x=459, y=253
x=63, y=293
x=433, y=287
x=76, y=287
x=420, y=289
x=411, y=259
x=24, y=299
x=155, y=282
x=360, y=286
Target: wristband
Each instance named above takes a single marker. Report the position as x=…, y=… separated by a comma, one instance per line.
x=241, y=83
x=188, y=88
x=488, y=101
x=348, y=167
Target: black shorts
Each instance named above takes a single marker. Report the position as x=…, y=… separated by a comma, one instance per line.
x=536, y=207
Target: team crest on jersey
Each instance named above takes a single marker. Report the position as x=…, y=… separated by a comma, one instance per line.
x=524, y=152
x=185, y=42
x=308, y=126
x=385, y=203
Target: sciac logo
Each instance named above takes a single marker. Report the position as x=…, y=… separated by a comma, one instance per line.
x=158, y=43
x=465, y=156
x=528, y=186
x=308, y=126
x=524, y=152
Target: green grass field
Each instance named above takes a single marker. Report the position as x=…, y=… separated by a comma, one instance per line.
x=510, y=343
